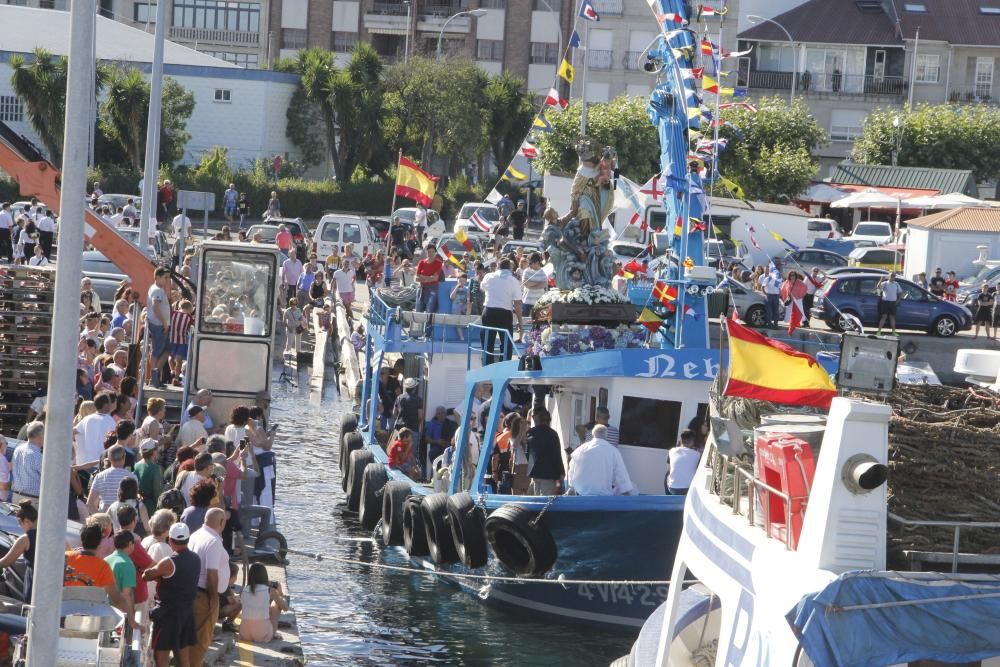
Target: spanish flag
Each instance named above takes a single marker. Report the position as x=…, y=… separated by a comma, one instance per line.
x=766, y=370
x=567, y=71
x=414, y=183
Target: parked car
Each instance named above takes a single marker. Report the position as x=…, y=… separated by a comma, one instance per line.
x=854, y=295
x=969, y=287
x=749, y=304
x=807, y=259
x=339, y=229
x=456, y=248
x=844, y=270
x=724, y=251
x=297, y=228
x=876, y=258
x=381, y=227
x=823, y=228
x=879, y=232
x=117, y=201
x=435, y=226
x=487, y=211
x=626, y=251
x=529, y=247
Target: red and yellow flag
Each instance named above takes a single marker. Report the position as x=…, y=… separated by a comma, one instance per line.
x=446, y=255
x=414, y=183
x=650, y=320
x=463, y=238
x=767, y=370
x=665, y=294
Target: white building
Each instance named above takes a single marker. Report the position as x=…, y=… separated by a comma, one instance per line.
x=952, y=241
x=241, y=109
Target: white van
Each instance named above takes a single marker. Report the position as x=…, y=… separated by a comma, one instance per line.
x=823, y=228
x=336, y=230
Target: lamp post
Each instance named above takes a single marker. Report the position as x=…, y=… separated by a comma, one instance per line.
x=478, y=13
x=406, y=43
x=754, y=19
x=559, y=32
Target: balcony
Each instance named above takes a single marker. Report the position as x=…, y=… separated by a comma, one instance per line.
x=609, y=7
x=386, y=18
x=442, y=10
x=631, y=61
x=974, y=94
x=434, y=23
x=831, y=84
x=206, y=35
x=389, y=8
x=599, y=60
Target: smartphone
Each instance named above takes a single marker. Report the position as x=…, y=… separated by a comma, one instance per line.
x=243, y=443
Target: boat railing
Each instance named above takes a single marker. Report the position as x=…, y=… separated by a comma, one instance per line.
x=378, y=314
x=956, y=526
x=479, y=333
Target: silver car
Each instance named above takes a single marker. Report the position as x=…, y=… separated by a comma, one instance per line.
x=748, y=303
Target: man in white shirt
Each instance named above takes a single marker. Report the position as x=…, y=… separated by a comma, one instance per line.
x=158, y=321
x=770, y=282
x=344, y=279
x=6, y=223
x=194, y=428
x=182, y=225
x=202, y=399
x=46, y=226
x=682, y=465
x=213, y=579
x=597, y=468
x=535, y=282
x=420, y=221
x=89, y=434
x=130, y=211
x=291, y=269
x=501, y=303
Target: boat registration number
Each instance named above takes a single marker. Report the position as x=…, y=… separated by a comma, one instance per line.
x=649, y=596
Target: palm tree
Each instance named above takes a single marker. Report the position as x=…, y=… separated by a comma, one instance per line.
x=123, y=115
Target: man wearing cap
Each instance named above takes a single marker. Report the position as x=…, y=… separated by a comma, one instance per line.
x=203, y=399
x=104, y=488
x=194, y=428
x=213, y=579
x=176, y=590
x=150, y=474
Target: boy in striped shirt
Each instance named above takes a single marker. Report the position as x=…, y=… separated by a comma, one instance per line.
x=181, y=321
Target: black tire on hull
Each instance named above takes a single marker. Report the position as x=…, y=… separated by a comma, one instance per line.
x=439, y=540
x=394, y=495
x=523, y=545
x=348, y=444
x=372, y=482
x=360, y=458
x=414, y=535
x=468, y=530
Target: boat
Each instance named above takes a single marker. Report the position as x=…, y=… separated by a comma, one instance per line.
x=603, y=560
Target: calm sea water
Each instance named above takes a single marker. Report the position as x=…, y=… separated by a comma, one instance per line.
x=355, y=615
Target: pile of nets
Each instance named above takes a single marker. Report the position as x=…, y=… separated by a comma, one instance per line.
x=944, y=465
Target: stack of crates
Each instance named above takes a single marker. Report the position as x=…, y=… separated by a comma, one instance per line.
x=27, y=294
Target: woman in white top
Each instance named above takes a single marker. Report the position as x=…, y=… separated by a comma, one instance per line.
x=155, y=543
x=262, y=601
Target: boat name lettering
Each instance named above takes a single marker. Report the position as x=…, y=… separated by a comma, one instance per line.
x=662, y=366
x=649, y=596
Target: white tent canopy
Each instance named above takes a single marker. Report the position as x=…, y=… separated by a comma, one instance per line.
x=867, y=199
x=948, y=201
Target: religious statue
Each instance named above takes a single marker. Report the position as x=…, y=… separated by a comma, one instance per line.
x=577, y=244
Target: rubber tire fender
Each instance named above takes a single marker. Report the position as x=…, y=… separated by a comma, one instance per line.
x=275, y=537
x=360, y=458
x=350, y=442
x=348, y=424
x=439, y=540
x=468, y=530
x=414, y=536
x=373, y=480
x=524, y=548
x=394, y=495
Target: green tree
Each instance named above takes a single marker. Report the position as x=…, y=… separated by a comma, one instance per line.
x=941, y=135
x=510, y=112
x=124, y=115
x=347, y=104
x=40, y=82
x=769, y=151
x=622, y=123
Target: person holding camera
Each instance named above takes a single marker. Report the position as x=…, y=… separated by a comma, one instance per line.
x=262, y=601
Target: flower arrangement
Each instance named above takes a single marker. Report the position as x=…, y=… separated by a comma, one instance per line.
x=587, y=294
x=552, y=341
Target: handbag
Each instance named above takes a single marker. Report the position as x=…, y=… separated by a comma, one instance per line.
x=300, y=329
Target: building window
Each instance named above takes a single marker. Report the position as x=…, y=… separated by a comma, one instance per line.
x=489, y=49
x=245, y=60
x=224, y=95
x=343, y=42
x=989, y=10
x=16, y=3
x=293, y=38
x=144, y=12
x=928, y=68
x=846, y=125
x=555, y=5
x=915, y=7
x=493, y=4
x=216, y=15
x=543, y=53
x=11, y=109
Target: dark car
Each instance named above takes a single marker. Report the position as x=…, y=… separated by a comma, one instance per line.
x=381, y=227
x=806, y=259
x=854, y=295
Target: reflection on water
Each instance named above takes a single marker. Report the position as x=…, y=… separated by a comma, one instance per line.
x=354, y=615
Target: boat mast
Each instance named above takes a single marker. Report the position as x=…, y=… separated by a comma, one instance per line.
x=583, y=80
x=43, y=621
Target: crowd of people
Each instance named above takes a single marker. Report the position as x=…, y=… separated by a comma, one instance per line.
x=27, y=233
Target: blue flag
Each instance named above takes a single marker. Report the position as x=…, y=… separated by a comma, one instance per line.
x=574, y=40
x=588, y=12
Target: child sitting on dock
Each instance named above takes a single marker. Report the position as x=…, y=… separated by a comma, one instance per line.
x=401, y=454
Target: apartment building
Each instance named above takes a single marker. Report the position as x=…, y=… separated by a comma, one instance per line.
x=848, y=57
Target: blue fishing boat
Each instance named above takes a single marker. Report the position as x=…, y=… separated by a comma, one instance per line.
x=603, y=559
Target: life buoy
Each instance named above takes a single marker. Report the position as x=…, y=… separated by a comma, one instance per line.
x=439, y=540
x=414, y=535
x=360, y=458
x=372, y=482
x=350, y=442
x=394, y=495
x=468, y=530
x=523, y=545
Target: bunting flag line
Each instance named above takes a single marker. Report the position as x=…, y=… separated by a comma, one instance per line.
x=735, y=54
x=541, y=123
x=690, y=312
x=446, y=255
x=665, y=294
x=528, y=151
x=650, y=320
x=732, y=187
x=512, y=175
x=553, y=99
x=631, y=192
x=707, y=48
x=710, y=85
x=698, y=226
x=753, y=239
x=588, y=12
x=649, y=188
x=670, y=17
x=679, y=226
x=463, y=238
x=778, y=237
x=493, y=197
x=704, y=10
x=567, y=71
x=739, y=105
x=574, y=40
x=682, y=52
x=481, y=223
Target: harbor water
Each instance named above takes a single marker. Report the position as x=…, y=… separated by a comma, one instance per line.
x=356, y=615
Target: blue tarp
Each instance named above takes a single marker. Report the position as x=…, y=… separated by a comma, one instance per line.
x=842, y=248
x=960, y=624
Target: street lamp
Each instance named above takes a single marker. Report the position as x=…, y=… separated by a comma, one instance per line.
x=478, y=13
x=754, y=20
x=406, y=43
x=559, y=32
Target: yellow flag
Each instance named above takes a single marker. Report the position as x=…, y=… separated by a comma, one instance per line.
x=514, y=175
x=567, y=71
x=733, y=187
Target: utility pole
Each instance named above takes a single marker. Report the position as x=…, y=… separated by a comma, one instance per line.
x=152, y=166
